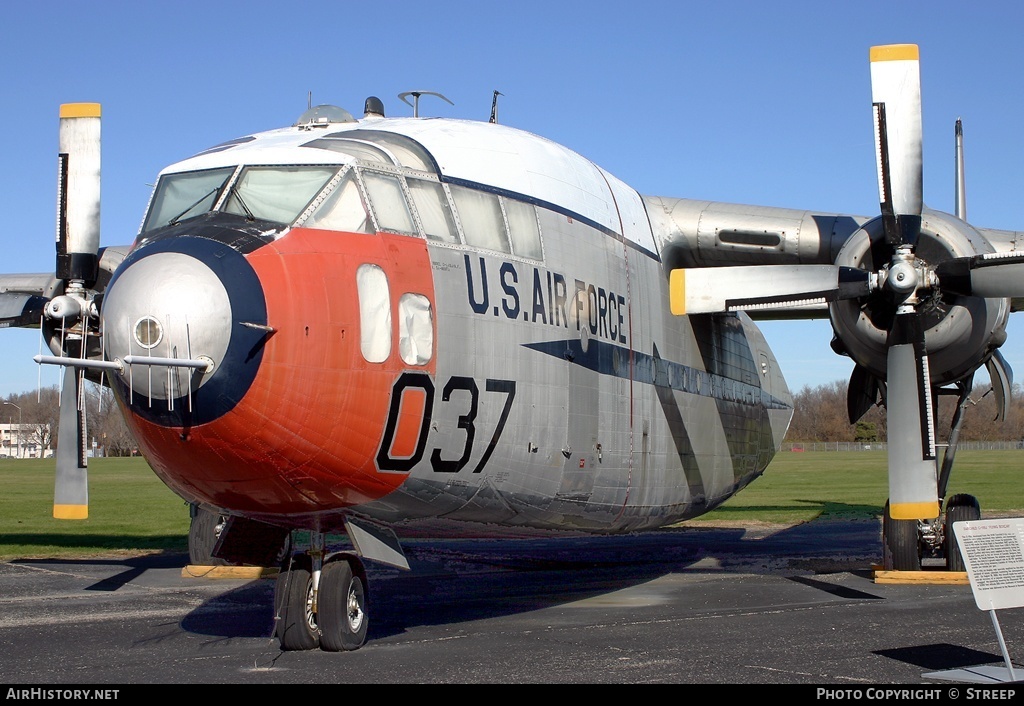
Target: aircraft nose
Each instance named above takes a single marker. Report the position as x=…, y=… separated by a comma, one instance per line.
x=188, y=299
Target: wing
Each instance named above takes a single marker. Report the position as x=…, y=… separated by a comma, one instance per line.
x=23, y=298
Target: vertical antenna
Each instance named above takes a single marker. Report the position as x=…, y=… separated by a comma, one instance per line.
x=961, y=185
x=494, y=106
x=309, y=100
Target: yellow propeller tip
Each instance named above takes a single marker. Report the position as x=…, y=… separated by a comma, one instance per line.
x=677, y=292
x=71, y=512
x=80, y=110
x=895, y=52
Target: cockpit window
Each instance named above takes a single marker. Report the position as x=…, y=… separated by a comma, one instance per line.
x=343, y=210
x=179, y=197
x=276, y=194
x=388, y=202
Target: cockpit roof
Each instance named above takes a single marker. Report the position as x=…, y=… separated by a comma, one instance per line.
x=488, y=155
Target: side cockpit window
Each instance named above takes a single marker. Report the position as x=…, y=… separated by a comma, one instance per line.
x=434, y=210
x=498, y=223
x=364, y=199
x=343, y=209
x=482, y=222
x=523, y=228
x=387, y=200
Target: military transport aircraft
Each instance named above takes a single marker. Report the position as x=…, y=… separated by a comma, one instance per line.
x=364, y=326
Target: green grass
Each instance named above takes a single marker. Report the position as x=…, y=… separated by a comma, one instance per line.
x=802, y=486
x=132, y=511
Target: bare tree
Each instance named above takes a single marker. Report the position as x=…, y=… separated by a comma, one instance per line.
x=820, y=414
x=106, y=425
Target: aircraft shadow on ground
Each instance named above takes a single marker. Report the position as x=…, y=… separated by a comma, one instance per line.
x=456, y=581
x=460, y=580
x=98, y=543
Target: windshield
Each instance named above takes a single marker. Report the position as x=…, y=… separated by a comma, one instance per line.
x=182, y=196
x=277, y=194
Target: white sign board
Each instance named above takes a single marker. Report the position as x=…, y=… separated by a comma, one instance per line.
x=993, y=552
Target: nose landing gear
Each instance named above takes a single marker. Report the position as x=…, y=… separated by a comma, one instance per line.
x=321, y=603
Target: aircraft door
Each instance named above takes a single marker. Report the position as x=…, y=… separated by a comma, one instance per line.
x=582, y=411
x=581, y=434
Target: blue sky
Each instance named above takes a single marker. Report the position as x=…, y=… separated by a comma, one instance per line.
x=748, y=102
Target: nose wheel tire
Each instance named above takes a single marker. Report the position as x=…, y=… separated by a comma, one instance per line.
x=342, y=608
x=297, y=622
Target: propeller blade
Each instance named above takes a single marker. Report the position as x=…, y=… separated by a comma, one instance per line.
x=1001, y=375
x=913, y=468
x=896, y=96
x=719, y=289
x=862, y=393
x=78, y=193
x=995, y=275
x=71, y=492
x=78, y=243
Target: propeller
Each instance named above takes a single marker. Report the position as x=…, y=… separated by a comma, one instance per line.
x=901, y=285
x=896, y=103
x=715, y=289
x=78, y=236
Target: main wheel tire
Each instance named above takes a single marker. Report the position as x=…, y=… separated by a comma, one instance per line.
x=960, y=507
x=342, y=602
x=900, y=543
x=297, y=622
x=203, y=533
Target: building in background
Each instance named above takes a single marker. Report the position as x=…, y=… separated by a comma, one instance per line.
x=25, y=441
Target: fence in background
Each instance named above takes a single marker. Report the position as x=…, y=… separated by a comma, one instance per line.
x=882, y=446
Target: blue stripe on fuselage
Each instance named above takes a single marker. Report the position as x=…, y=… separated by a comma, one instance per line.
x=611, y=359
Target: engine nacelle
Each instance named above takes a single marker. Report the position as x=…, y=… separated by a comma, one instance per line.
x=960, y=332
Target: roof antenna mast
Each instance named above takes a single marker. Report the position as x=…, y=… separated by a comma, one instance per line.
x=494, y=107
x=961, y=183
x=416, y=96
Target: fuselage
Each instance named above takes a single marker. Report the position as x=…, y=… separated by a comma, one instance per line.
x=414, y=319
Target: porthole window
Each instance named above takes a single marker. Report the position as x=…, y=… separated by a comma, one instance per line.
x=148, y=332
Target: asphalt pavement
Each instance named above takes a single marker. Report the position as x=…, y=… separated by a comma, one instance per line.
x=698, y=604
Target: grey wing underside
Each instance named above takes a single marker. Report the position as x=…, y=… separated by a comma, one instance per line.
x=22, y=298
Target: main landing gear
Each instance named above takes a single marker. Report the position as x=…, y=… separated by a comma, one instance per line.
x=321, y=601
x=906, y=543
